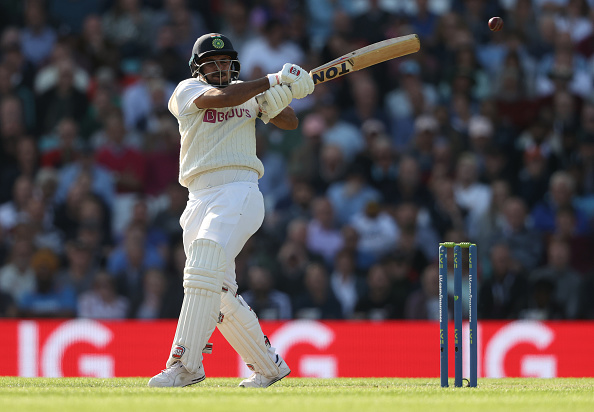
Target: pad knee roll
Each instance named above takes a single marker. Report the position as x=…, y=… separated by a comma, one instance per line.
x=241, y=328
x=203, y=281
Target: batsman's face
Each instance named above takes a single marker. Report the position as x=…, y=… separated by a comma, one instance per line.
x=216, y=69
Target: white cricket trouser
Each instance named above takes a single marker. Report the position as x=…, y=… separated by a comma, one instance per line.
x=226, y=207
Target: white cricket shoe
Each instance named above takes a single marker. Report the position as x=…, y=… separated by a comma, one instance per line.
x=258, y=380
x=176, y=375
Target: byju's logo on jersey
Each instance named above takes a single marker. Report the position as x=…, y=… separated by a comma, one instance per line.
x=216, y=116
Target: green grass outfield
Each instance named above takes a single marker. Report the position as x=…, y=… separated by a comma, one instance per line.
x=296, y=394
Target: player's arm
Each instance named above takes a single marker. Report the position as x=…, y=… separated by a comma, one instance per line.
x=232, y=95
x=239, y=93
x=286, y=119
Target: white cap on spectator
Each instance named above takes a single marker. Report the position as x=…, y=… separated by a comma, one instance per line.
x=480, y=126
x=426, y=123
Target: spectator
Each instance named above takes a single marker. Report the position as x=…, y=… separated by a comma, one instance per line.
x=126, y=164
x=48, y=76
x=146, y=97
x=71, y=17
x=101, y=105
x=82, y=208
x=167, y=219
x=48, y=299
x=93, y=48
x=376, y=229
x=367, y=104
x=13, y=211
x=405, y=103
x=561, y=193
x=65, y=148
x=80, y=269
x=410, y=185
x=268, y=302
x=525, y=243
x=268, y=52
x=274, y=183
x=26, y=163
x=469, y=193
x=163, y=159
x=85, y=168
x=504, y=293
x=8, y=309
x=332, y=168
x=323, y=235
x=350, y=196
x=129, y=26
x=174, y=274
x=61, y=100
x=533, y=179
x=187, y=23
x=236, y=24
x=416, y=236
x=566, y=283
x=351, y=241
x=318, y=301
x=297, y=205
x=304, y=162
x=444, y=211
x=17, y=277
x=151, y=304
x=493, y=220
x=423, y=303
x=378, y=303
x=581, y=246
x=140, y=216
x=129, y=262
x=383, y=170
x=39, y=221
x=8, y=88
x=293, y=257
x=37, y=38
x=102, y=301
x=587, y=304
x=339, y=132
x=347, y=285
x=421, y=146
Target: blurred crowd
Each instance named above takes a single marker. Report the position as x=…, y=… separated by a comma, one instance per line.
x=481, y=136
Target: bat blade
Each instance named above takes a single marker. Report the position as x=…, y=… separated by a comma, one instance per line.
x=366, y=56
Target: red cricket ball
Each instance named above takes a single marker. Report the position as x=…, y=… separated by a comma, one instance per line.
x=495, y=23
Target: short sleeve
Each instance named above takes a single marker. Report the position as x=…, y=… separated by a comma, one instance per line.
x=181, y=102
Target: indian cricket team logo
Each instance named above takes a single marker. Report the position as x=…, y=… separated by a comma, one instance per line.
x=178, y=352
x=218, y=43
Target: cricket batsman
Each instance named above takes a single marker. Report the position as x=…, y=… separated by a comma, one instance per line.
x=216, y=113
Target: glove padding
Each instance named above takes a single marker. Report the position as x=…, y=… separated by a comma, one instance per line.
x=274, y=100
x=303, y=86
x=289, y=74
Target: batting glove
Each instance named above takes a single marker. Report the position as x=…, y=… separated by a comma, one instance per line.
x=289, y=74
x=274, y=100
x=302, y=87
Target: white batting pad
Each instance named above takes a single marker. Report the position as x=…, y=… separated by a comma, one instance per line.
x=240, y=326
x=203, y=281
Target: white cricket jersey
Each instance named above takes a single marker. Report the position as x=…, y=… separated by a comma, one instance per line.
x=213, y=139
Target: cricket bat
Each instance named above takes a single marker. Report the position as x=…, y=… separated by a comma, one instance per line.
x=366, y=56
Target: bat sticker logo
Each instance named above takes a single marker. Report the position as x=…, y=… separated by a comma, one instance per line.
x=332, y=72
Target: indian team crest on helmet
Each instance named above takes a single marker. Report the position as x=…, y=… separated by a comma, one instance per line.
x=217, y=42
